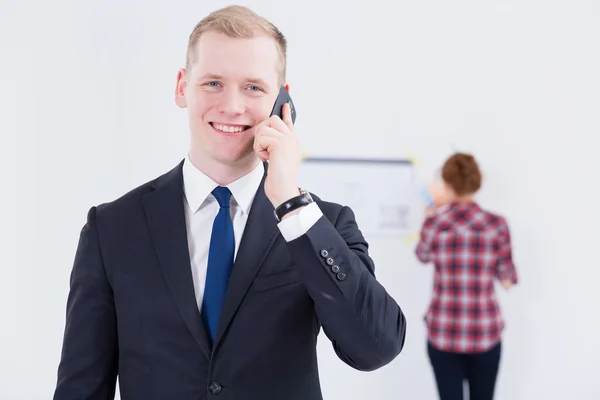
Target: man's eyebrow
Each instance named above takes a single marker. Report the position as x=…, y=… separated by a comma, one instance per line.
x=211, y=76
x=258, y=82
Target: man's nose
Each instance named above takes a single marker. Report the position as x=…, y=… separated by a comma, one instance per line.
x=232, y=103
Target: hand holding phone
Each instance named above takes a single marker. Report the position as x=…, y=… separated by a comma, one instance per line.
x=276, y=143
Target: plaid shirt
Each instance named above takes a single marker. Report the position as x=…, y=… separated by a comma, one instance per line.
x=469, y=248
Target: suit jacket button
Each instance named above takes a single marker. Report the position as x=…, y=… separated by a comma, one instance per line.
x=335, y=269
x=341, y=276
x=215, y=388
x=324, y=253
x=330, y=261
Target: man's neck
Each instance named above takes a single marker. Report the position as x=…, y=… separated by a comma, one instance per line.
x=222, y=173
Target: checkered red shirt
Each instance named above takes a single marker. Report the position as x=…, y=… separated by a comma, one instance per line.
x=469, y=248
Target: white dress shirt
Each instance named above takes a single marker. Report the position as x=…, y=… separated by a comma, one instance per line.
x=201, y=208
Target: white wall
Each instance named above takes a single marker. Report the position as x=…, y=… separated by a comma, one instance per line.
x=86, y=113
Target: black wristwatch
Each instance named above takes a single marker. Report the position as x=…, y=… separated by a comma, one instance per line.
x=293, y=204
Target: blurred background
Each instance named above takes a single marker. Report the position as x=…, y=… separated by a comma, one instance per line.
x=87, y=113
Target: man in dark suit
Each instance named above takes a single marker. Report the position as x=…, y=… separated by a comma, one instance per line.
x=191, y=286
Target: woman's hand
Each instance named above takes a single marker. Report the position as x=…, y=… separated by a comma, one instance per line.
x=506, y=284
x=429, y=211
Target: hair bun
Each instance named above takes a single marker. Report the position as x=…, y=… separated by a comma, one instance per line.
x=462, y=173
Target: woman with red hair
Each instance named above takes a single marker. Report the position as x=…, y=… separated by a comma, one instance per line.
x=470, y=248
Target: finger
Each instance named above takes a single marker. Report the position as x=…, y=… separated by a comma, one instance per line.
x=260, y=126
x=279, y=124
x=260, y=152
x=286, y=114
x=265, y=142
x=268, y=131
x=263, y=155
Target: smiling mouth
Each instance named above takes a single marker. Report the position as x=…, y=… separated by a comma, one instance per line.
x=229, y=128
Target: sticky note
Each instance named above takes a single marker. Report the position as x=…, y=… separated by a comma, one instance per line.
x=410, y=239
x=413, y=158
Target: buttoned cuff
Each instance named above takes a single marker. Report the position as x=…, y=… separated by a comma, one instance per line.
x=297, y=225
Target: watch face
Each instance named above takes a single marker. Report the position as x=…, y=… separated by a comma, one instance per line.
x=307, y=194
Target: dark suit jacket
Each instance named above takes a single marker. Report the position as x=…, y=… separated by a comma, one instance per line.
x=132, y=312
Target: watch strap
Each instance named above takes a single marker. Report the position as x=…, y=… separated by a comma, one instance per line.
x=292, y=204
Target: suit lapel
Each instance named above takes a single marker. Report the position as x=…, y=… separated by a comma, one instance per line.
x=166, y=218
x=260, y=233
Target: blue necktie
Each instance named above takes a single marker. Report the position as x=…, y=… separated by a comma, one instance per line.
x=220, y=262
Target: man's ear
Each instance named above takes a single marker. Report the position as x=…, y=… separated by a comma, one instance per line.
x=287, y=87
x=180, y=88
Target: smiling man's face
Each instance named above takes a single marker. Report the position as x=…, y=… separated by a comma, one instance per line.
x=230, y=88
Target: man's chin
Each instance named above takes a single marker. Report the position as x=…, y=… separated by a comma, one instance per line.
x=239, y=159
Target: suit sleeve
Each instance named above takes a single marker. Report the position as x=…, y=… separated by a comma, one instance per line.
x=88, y=365
x=364, y=323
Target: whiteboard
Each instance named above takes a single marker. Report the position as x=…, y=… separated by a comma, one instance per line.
x=379, y=191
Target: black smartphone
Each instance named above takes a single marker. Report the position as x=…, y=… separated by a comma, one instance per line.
x=282, y=98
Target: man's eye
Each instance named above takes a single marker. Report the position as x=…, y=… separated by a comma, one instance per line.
x=254, y=88
x=213, y=84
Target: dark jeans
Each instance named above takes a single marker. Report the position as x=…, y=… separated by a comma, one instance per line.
x=451, y=369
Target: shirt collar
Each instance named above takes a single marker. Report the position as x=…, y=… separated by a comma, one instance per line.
x=198, y=186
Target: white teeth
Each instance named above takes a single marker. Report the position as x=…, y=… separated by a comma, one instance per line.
x=227, y=128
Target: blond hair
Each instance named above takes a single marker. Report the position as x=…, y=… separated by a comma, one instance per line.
x=237, y=22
